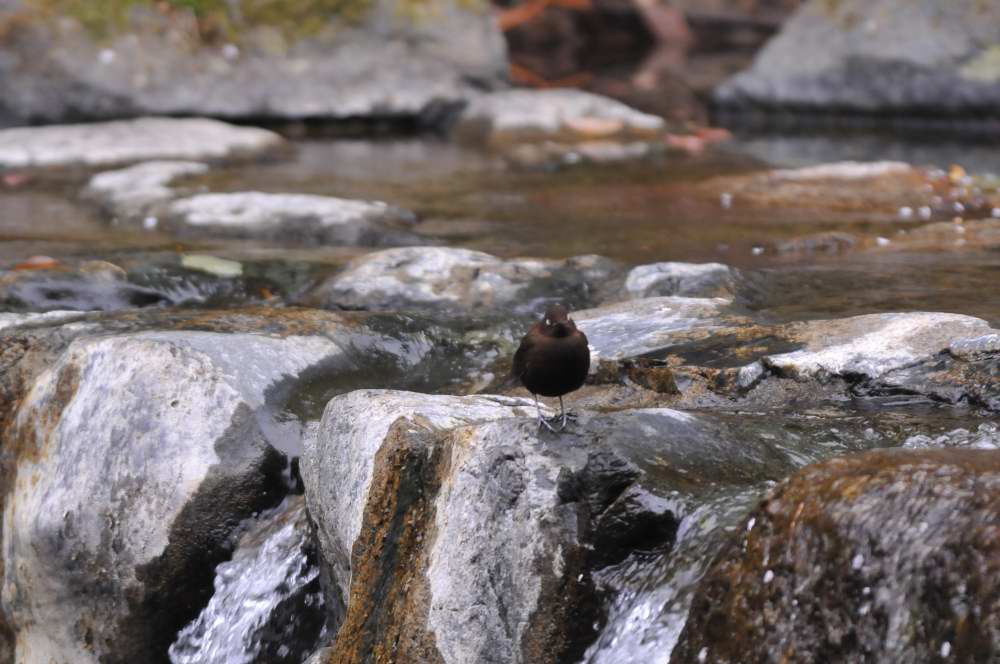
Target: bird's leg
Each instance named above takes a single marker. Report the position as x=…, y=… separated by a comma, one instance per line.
x=562, y=410
x=541, y=420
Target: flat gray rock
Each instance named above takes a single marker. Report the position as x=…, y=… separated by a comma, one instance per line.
x=685, y=279
x=126, y=141
x=915, y=57
x=873, y=345
x=637, y=327
x=132, y=192
x=460, y=280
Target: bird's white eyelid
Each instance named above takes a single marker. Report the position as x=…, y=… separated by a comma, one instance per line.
x=548, y=322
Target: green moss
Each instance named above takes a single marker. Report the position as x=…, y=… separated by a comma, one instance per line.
x=984, y=68
x=225, y=19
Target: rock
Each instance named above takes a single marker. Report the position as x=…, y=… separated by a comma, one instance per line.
x=883, y=57
x=459, y=280
x=518, y=116
x=291, y=219
x=126, y=141
x=130, y=193
x=117, y=510
x=75, y=290
x=641, y=327
x=267, y=605
x=985, y=437
x=850, y=190
x=868, y=347
x=540, y=127
x=8, y=320
x=887, y=556
x=458, y=533
x=939, y=356
x=386, y=60
x=686, y=279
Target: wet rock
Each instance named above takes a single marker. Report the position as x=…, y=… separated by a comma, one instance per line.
x=267, y=604
x=641, y=327
x=885, y=57
x=887, y=556
x=194, y=280
x=131, y=193
x=8, y=320
x=117, y=510
x=944, y=357
x=536, y=127
x=292, y=219
x=871, y=346
x=122, y=142
x=984, y=437
x=685, y=279
x=456, y=532
x=387, y=60
x=77, y=289
x=460, y=280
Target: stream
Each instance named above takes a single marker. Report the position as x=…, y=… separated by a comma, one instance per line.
x=267, y=605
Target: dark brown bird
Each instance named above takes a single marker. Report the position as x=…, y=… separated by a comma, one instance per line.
x=552, y=360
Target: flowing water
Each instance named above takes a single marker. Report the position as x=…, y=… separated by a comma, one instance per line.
x=267, y=605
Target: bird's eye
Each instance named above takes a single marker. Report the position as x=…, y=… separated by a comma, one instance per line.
x=548, y=322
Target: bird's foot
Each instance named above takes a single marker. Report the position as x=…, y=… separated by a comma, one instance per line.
x=544, y=422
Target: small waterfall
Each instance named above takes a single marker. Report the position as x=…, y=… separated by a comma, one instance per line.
x=267, y=606
x=653, y=595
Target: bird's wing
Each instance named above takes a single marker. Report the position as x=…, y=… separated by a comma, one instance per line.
x=520, y=364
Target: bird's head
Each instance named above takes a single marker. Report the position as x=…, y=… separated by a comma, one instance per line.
x=557, y=323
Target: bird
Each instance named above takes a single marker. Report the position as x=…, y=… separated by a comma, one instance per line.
x=552, y=360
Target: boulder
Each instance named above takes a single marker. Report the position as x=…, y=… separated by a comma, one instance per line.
x=384, y=60
x=888, y=556
x=684, y=279
x=117, y=509
x=900, y=57
x=456, y=532
x=463, y=281
x=127, y=141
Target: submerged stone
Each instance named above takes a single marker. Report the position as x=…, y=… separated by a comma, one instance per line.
x=292, y=219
